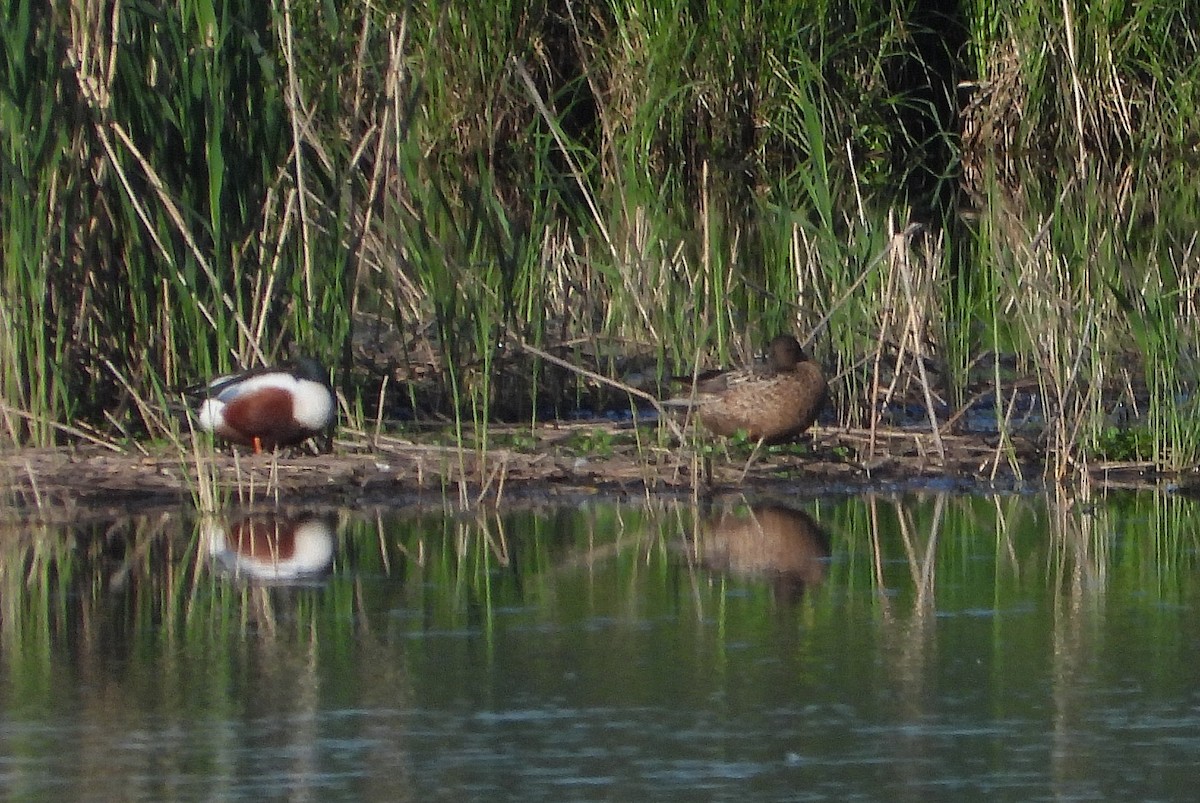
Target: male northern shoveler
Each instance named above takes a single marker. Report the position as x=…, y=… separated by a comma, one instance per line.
x=268, y=407
x=770, y=402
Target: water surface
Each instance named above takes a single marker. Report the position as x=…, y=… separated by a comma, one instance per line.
x=872, y=647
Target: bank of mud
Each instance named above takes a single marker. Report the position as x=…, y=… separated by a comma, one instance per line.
x=555, y=462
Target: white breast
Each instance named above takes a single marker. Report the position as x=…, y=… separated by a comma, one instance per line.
x=312, y=403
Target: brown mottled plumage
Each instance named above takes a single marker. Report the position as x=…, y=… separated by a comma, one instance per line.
x=770, y=402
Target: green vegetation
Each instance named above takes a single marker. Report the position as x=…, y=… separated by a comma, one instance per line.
x=413, y=193
x=592, y=442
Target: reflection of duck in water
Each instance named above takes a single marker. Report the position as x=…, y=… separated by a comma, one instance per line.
x=771, y=541
x=771, y=402
x=272, y=548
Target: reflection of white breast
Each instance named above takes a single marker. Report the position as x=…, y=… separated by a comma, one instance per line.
x=264, y=548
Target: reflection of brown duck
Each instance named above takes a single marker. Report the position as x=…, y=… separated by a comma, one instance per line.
x=771, y=402
x=771, y=541
x=269, y=547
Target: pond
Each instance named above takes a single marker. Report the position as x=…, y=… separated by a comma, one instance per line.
x=881, y=646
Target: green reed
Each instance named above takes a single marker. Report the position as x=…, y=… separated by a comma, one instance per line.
x=143, y=265
x=1105, y=79
x=638, y=183
x=34, y=395
x=1092, y=305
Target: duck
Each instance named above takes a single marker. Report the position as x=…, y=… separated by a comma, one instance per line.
x=266, y=408
x=772, y=401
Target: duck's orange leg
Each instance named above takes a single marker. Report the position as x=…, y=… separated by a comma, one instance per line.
x=257, y=442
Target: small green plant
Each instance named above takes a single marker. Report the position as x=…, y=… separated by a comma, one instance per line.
x=799, y=448
x=1125, y=444
x=519, y=440
x=592, y=443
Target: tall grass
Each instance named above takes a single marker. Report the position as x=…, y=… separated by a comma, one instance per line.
x=1103, y=81
x=165, y=233
x=617, y=184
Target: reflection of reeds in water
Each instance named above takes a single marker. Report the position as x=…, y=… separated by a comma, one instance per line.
x=211, y=481
x=269, y=547
x=775, y=542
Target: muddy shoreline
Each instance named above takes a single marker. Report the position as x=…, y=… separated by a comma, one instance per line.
x=89, y=480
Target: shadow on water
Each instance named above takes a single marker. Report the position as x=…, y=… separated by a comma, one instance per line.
x=875, y=646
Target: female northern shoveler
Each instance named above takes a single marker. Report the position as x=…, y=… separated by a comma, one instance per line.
x=770, y=402
x=268, y=407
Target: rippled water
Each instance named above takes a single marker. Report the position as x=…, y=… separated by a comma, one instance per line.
x=853, y=648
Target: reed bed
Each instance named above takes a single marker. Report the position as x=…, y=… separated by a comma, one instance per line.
x=431, y=196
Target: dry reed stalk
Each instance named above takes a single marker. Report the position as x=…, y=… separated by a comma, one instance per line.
x=595, y=377
x=66, y=429
x=914, y=329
